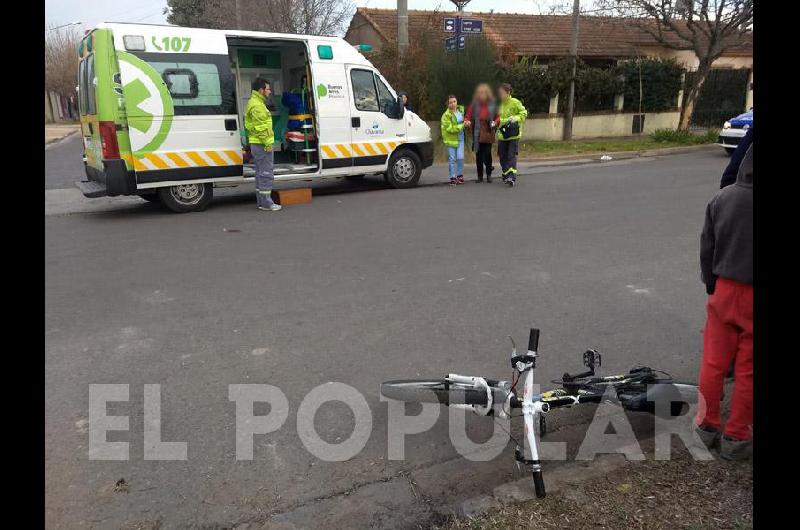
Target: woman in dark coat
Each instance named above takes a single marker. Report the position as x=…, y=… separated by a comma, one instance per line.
x=481, y=117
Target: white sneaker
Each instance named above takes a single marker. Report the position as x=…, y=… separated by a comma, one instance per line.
x=271, y=208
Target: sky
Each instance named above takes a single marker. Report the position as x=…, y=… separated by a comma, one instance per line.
x=91, y=12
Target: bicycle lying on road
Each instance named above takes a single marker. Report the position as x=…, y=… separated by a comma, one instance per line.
x=638, y=390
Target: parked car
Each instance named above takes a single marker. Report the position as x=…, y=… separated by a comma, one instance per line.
x=734, y=130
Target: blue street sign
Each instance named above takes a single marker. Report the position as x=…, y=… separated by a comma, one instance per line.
x=471, y=25
x=449, y=25
x=450, y=44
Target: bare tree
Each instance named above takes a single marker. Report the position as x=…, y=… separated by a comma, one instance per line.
x=707, y=27
x=312, y=17
x=61, y=61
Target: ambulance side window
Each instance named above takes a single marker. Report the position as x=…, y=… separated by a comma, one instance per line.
x=386, y=99
x=200, y=84
x=82, y=87
x=91, y=102
x=364, y=93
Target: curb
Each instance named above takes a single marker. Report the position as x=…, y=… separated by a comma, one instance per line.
x=54, y=140
x=620, y=155
x=587, y=158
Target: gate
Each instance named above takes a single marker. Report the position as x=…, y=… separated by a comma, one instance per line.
x=723, y=96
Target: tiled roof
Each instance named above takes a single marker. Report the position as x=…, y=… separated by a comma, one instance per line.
x=542, y=35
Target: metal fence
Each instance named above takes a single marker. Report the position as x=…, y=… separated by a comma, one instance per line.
x=724, y=95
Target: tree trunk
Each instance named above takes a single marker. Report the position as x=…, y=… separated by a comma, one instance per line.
x=691, y=96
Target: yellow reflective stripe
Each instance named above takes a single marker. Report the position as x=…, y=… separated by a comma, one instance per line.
x=328, y=151
x=156, y=161
x=196, y=158
x=381, y=148
x=357, y=149
x=392, y=145
x=236, y=157
x=342, y=149
x=369, y=148
x=138, y=166
x=175, y=157
x=216, y=158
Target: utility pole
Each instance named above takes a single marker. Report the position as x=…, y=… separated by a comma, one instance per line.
x=238, y=15
x=402, y=26
x=573, y=51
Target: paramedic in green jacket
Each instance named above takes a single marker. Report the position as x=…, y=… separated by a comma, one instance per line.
x=258, y=122
x=509, y=131
x=452, y=125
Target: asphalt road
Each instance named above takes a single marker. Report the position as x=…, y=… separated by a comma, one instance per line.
x=356, y=288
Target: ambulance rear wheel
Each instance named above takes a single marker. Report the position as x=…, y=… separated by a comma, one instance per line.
x=404, y=170
x=185, y=198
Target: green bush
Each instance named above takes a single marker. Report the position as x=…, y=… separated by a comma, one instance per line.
x=595, y=87
x=683, y=137
x=460, y=72
x=530, y=82
x=661, y=82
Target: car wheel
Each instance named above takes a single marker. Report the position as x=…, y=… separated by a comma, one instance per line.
x=185, y=198
x=404, y=169
x=730, y=150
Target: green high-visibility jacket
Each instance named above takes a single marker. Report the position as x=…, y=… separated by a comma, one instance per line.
x=258, y=121
x=451, y=127
x=508, y=108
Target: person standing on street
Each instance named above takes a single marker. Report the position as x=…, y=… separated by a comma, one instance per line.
x=726, y=265
x=509, y=131
x=452, y=124
x=258, y=123
x=729, y=175
x=481, y=117
x=404, y=98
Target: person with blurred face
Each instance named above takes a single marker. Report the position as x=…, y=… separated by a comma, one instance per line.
x=481, y=118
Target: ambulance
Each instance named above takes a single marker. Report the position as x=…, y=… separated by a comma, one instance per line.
x=161, y=111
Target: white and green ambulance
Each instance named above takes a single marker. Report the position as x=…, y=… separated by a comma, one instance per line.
x=161, y=112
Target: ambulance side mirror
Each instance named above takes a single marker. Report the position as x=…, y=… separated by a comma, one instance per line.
x=395, y=110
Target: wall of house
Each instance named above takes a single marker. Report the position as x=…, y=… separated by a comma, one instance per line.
x=362, y=32
x=549, y=127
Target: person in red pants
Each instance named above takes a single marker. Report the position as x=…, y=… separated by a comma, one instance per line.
x=726, y=264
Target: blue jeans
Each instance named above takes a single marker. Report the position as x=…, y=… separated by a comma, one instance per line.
x=264, y=176
x=455, y=159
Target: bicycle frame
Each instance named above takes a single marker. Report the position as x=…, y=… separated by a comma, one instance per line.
x=531, y=409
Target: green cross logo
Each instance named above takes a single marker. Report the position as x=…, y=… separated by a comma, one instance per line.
x=146, y=97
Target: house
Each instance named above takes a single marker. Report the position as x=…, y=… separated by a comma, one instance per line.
x=547, y=37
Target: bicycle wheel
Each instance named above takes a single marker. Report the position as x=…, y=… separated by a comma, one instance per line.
x=433, y=391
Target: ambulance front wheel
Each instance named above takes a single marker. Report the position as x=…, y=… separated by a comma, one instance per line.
x=405, y=168
x=185, y=198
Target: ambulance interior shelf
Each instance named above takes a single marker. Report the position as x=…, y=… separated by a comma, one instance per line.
x=282, y=64
x=299, y=137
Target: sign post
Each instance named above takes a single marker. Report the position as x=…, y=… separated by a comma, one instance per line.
x=460, y=27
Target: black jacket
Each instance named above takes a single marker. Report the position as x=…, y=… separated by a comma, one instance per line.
x=729, y=175
x=726, y=244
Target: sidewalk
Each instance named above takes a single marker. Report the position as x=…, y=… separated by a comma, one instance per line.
x=54, y=132
x=437, y=173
